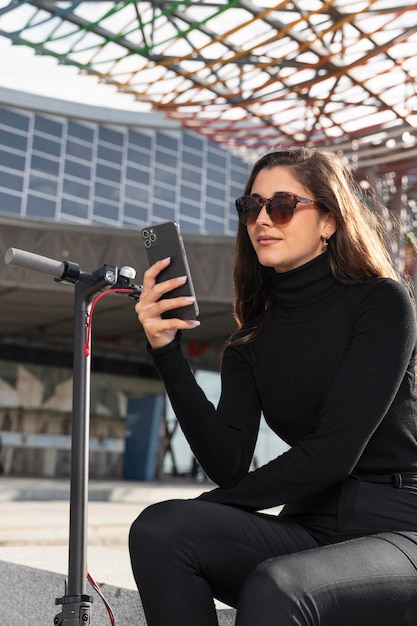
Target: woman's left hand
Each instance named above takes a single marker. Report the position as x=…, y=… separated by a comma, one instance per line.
x=159, y=330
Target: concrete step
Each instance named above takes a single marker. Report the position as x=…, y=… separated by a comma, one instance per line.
x=28, y=592
x=34, y=548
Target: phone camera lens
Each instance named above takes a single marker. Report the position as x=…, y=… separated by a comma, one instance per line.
x=152, y=237
x=145, y=234
x=148, y=243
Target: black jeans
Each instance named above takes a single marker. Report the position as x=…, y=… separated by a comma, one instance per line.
x=278, y=570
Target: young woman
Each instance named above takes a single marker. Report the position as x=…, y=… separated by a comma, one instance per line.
x=325, y=350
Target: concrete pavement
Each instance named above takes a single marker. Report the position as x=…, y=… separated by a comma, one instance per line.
x=34, y=528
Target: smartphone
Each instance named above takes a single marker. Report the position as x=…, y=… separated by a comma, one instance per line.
x=162, y=241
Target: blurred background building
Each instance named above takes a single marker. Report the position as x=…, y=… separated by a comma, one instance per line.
x=78, y=183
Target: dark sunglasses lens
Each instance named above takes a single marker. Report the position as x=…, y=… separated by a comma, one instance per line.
x=248, y=210
x=281, y=209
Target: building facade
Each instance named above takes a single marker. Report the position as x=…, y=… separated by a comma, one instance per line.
x=68, y=162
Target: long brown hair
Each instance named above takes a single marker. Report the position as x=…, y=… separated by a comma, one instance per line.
x=357, y=250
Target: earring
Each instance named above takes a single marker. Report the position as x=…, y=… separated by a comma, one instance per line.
x=325, y=242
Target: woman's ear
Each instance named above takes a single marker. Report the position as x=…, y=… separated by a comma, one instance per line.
x=328, y=226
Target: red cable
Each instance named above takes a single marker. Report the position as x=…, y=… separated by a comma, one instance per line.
x=100, y=593
x=86, y=347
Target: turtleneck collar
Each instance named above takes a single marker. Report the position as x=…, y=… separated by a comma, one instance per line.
x=305, y=286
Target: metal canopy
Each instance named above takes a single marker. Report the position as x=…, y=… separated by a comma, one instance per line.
x=249, y=74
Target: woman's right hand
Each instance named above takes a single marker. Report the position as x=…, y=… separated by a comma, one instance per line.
x=159, y=330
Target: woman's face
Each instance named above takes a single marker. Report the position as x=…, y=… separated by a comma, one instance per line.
x=288, y=246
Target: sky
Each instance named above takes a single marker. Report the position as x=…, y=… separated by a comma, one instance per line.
x=21, y=69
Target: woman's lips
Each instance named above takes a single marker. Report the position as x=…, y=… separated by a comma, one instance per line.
x=267, y=240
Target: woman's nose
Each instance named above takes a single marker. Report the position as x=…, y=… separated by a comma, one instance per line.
x=263, y=215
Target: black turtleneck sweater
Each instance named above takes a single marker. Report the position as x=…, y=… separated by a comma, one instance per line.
x=333, y=373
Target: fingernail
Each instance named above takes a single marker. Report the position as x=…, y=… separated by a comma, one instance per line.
x=181, y=279
x=194, y=322
x=190, y=299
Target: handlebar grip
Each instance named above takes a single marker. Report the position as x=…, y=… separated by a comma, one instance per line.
x=35, y=262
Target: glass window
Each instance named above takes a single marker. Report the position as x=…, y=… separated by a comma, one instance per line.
x=53, y=148
x=217, y=157
x=192, y=158
x=40, y=207
x=79, y=150
x=108, y=173
x=16, y=120
x=216, y=208
x=216, y=175
x=239, y=163
x=109, y=154
x=111, y=136
x=136, y=212
x=138, y=175
x=189, y=209
x=214, y=227
x=48, y=126
x=47, y=166
x=239, y=180
x=14, y=161
x=236, y=190
x=231, y=214
x=219, y=193
x=190, y=227
x=141, y=194
x=108, y=211
x=43, y=184
x=232, y=223
x=12, y=140
x=192, y=193
x=75, y=188
x=140, y=139
x=163, y=175
x=191, y=175
x=9, y=203
x=166, y=141
x=165, y=194
x=166, y=159
x=11, y=181
x=78, y=170
x=107, y=192
x=137, y=157
x=74, y=208
x=162, y=213
x=193, y=141
x=80, y=131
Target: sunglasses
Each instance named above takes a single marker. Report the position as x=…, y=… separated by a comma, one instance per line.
x=280, y=207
